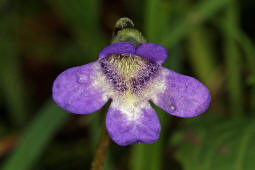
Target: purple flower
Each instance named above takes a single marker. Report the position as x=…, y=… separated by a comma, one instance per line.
x=130, y=76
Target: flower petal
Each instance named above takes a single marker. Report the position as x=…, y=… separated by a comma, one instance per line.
x=132, y=125
x=80, y=89
x=117, y=48
x=152, y=52
x=183, y=96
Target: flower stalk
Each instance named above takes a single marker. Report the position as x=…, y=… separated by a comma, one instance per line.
x=101, y=150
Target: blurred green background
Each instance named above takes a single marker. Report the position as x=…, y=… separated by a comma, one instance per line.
x=212, y=40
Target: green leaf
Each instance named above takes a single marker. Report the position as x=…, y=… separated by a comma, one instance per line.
x=36, y=137
x=216, y=144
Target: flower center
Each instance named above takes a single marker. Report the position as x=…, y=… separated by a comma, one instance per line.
x=128, y=72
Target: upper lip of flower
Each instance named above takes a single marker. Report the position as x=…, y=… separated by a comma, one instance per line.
x=85, y=89
x=149, y=51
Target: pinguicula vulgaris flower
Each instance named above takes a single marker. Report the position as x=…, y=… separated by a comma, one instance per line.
x=131, y=75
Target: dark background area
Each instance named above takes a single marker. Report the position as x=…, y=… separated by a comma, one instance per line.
x=212, y=40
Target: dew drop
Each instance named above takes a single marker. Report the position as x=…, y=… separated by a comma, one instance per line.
x=172, y=108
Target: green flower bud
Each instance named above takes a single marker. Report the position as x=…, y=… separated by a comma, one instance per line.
x=124, y=31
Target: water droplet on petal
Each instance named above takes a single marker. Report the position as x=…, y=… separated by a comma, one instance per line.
x=172, y=108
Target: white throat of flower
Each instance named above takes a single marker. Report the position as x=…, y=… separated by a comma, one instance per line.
x=134, y=81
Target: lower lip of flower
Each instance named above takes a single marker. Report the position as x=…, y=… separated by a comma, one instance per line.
x=128, y=73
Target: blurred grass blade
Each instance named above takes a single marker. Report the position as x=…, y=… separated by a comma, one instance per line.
x=13, y=88
x=150, y=18
x=249, y=51
x=201, y=12
x=137, y=158
x=202, y=58
x=155, y=27
x=233, y=60
x=36, y=137
x=83, y=19
x=201, y=55
x=12, y=83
